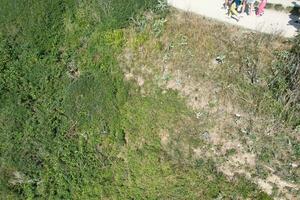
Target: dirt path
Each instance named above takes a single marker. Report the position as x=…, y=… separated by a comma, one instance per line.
x=272, y=22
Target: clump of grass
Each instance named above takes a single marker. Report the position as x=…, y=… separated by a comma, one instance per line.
x=278, y=7
x=269, y=5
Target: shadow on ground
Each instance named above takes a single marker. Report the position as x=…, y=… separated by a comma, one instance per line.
x=294, y=16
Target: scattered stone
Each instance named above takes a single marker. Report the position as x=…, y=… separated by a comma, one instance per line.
x=198, y=115
x=238, y=115
x=206, y=135
x=220, y=59
x=140, y=81
x=294, y=165
x=244, y=131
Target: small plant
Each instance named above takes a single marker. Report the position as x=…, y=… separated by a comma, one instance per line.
x=230, y=152
x=161, y=7
x=250, y=67
x=158, y=27
x=114, y=38
x=269, y=5
x=220, y=59
x=140, y=39
x=159, y=45
x=278, y=7
x=140, y=22
x=183, y=40
x=296, y=147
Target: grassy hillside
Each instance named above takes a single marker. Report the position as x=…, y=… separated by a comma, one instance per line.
x=73, y=127
x=242, y=87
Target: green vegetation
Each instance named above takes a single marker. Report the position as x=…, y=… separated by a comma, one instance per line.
x=71, y=127
x=285, y=82
x=233, y=80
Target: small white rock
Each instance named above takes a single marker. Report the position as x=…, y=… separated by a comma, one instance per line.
x=294, y=165
x=238, y=115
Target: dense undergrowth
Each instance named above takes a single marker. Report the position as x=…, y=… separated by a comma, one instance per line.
x=285, y=82
x=71, y=128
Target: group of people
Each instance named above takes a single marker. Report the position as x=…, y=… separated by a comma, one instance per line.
x=237, y=8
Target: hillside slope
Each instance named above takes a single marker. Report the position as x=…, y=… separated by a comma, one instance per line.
x=224, y=73
x=113, y=99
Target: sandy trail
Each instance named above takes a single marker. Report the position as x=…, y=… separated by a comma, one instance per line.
x=272, y=22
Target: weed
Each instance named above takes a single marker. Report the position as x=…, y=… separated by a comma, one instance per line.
x=139, y=22
x=251, y=69
x=230, y=152
x=158, y=27
x=114, y=38
x=278, y=7
x=140, y=39
x=161, y=8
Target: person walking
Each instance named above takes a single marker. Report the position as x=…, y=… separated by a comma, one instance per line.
x=261, y=8
x=225, y=5
x=250, y=5
x=232, y=11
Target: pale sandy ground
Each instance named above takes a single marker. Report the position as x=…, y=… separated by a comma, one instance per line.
x=272, y=22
